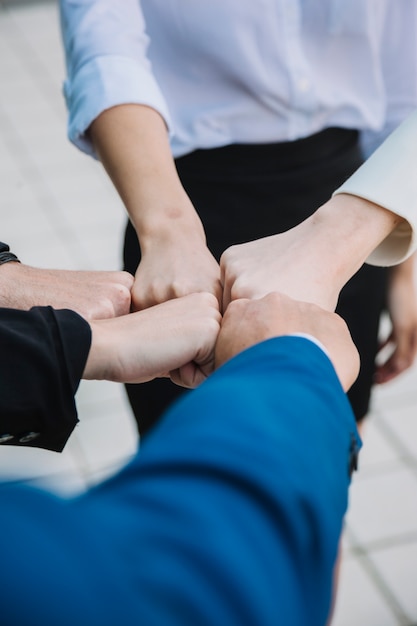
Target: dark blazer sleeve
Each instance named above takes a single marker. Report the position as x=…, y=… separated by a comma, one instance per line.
x=229, y=515
x=43, y=356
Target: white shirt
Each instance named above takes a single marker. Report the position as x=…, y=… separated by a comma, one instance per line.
x=243, y=71
x=253, y=71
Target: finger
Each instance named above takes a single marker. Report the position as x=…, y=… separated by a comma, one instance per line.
x=143, y=296
x=384, y=372
x=218, y=294
x=126, y=279
x=188, y=376
x=226, y=285
x=122, y=301
x=385, y=342
x=399, y=361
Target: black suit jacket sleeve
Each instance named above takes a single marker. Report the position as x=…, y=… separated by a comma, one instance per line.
x=43, y=355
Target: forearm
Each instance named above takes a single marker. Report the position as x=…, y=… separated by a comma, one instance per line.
x=132, y=143
x=94, y=295
x=372, y=217
x=314, y=260
x=405, y=270
x=177, y=337
x=346, y=230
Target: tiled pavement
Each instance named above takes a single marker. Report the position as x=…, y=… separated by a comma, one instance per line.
x=59, y=210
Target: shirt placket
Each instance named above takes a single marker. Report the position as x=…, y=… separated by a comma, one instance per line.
x=300, y=85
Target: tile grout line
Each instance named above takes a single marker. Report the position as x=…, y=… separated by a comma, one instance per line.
x=406, y=456
x=361, y=554
x=45, y=198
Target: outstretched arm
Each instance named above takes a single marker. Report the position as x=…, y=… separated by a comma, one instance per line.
x=48, y=352
x=312, y=261
x=132, y=142
x=372, y=217
x=175, y=338
x=248, y=322
x=117, y=111
x=218, y=520
x=94, y=295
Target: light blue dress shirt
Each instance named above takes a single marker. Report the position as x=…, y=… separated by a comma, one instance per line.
x=239, y=71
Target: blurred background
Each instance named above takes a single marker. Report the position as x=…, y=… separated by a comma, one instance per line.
x=59, y=210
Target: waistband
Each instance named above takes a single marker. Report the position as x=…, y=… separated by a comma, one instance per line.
x=284, y=155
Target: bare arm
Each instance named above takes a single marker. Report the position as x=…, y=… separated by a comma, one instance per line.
x=402, y=309
x=94, y=295
x=248, y=322
x=372, y=217
x=312, y=261
x=132, y=143
x=175, y=339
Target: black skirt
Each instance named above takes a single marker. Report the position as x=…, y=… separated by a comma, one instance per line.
x=243, y=192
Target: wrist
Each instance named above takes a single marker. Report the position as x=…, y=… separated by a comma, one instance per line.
x=99, y=356
x=168, y=220
x=350, y=228
x=11, y=293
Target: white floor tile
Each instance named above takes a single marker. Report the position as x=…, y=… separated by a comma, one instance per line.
x=92, y=393
x=399, y=392
x=59, y=472
x=359, y=602
x=377, y=451
x=402, y=422
x=398, y=567
x=383, y=506
x=107, y=439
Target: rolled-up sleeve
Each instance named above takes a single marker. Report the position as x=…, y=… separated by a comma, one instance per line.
x=105, y=48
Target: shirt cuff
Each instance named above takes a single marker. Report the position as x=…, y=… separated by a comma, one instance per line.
x=313, y=340
x=105, y=82
x=388, y=179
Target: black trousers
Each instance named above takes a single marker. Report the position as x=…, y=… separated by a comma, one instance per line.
x=243, y=192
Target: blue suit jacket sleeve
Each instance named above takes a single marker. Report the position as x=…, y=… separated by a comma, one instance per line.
x=230, y=514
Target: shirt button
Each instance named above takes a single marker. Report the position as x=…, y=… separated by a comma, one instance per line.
x=27, y=437
x=6, y=437
x=353, y=455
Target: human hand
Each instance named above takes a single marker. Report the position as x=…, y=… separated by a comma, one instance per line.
x=248, y=322
x=312, y=261
x=175, y=258
x=94, y=295
x=276, y=263
x=173, y=266
x=175, y=338
x=402, y=308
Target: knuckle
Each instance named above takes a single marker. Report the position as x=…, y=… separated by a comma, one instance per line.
x=179, y=289
x=228, y=256
x=207, y=299
x=240, y=289
x=126, y=279
x=122, y=299
x=104, y=310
